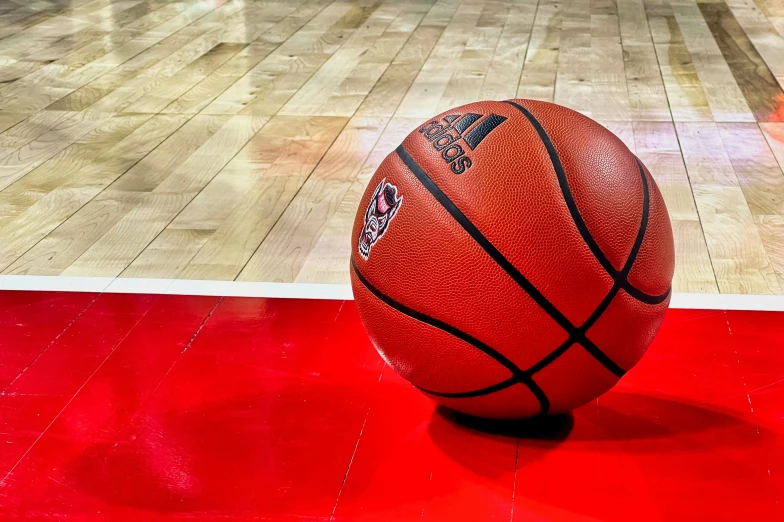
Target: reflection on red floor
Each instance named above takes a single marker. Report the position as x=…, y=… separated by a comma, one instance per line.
x=122, y=407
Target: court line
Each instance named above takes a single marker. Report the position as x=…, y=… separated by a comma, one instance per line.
x=125, y=285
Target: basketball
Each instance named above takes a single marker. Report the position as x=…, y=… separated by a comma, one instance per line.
x=512, y=259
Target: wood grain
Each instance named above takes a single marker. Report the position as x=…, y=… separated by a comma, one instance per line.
x=233, y=139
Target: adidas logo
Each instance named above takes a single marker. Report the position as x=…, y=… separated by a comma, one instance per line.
x=470, y=129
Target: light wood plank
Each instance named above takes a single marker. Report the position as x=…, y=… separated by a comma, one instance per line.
x=168, y=254
x=86, y=226
x=610, y=94
x=685, y=94
x=763, y=34
x=657, y=147
x=758, y=85
x=167, y=91
x=150, y=79
x=327, y=261
x=268, y=85
x=644, y=83
x=758, y=172
x=774, y=135
x=771, y=230
x=390, y=89
x=69, y=128
x=134, y=231
x=424, y=96
x=26, y=229
x=203, y=93
x=739, y=259
x=57, y=80
x=721, y=90
x=471, y=68
x=542, y=58
x=255, y=189
x=774, y=12
x=292, y=238
x=506, y=66
x=233, y=139
x=367, y=52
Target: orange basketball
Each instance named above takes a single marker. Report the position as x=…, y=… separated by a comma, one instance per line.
x=512, y=258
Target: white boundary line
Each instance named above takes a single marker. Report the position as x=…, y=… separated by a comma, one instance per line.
x=310, y=291
x=772, y=303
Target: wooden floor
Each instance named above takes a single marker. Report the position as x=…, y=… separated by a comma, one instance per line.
x=232, y=139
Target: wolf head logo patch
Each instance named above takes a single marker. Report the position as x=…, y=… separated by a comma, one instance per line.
x=382, y=209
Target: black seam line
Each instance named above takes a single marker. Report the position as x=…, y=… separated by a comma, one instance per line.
x=474, y=393
x=485, y=243
x=645, y=298
x=505, y=264
x=578, y=219
x=646, y=203
x=432, y=321
x=618, y=282
x=541, y=396
x=583, y=329
x=517, y=374
x=624, y=274
x=565, y=189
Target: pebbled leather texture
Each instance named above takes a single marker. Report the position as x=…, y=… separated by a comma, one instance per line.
x=449, y=317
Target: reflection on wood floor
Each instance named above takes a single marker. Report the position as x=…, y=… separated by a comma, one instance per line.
x=232, y=139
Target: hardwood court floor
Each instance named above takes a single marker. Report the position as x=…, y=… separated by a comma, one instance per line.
x=232, y=140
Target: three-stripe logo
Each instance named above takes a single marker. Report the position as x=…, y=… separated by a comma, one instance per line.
x=469, y=128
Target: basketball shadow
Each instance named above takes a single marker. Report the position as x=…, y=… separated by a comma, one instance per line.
x=620, y=422
x=548, y=428
x=622, y=416
x=615, y=416
x=487, y=447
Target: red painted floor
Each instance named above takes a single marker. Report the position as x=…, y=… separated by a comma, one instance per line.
x=121, y=407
